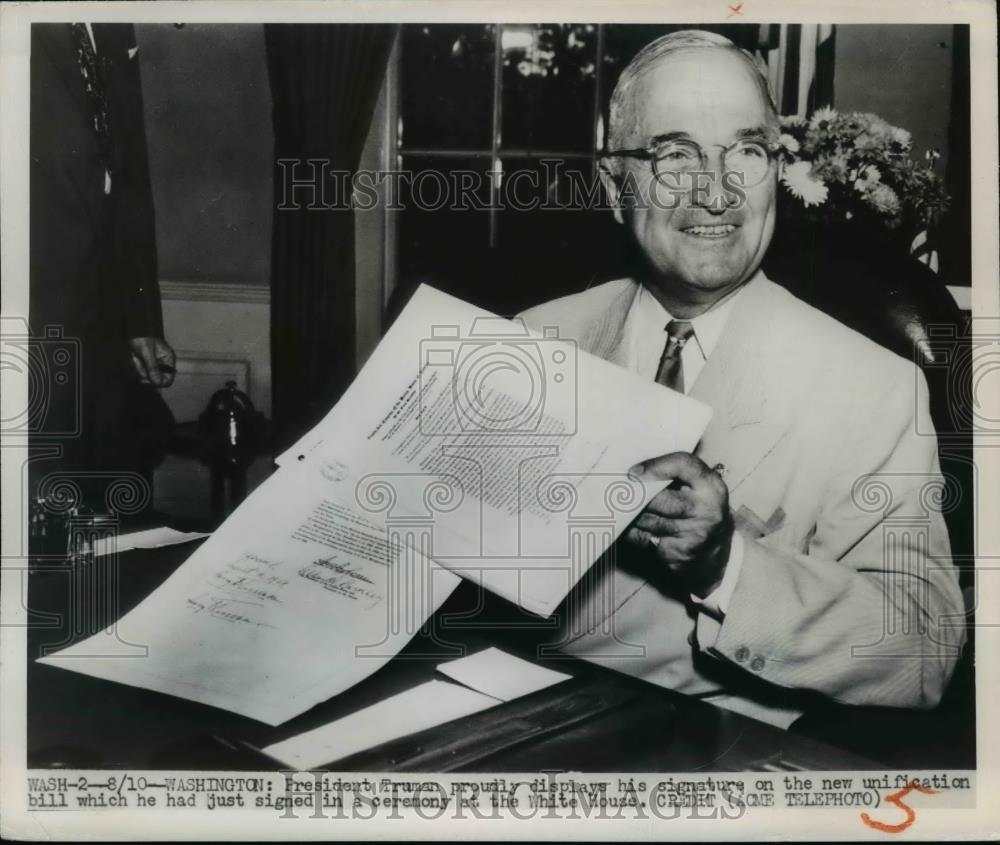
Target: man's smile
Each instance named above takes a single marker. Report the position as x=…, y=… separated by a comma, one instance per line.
x=720, y=230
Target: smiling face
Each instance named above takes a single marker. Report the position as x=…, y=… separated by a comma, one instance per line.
x=698, y=245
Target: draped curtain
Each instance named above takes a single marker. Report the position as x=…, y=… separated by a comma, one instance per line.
x=325, y=80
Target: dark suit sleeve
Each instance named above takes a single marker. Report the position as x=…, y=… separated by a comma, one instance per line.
x=134, y=233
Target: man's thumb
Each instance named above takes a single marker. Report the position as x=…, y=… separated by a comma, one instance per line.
x=681, y=465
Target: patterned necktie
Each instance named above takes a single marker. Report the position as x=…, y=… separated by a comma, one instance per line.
x=671, y=370
x=86, y=59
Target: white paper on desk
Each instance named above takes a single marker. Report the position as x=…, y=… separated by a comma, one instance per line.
x=500, y=675
x=294, y=599
x=508, y=448
x=426, y=706
x=152, y=538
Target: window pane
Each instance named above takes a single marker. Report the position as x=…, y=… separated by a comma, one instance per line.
x=441, y=242
x=549, y=78
x=447, y=86
x=566, y=241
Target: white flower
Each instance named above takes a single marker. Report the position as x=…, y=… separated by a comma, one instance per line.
x=792, y=120
x=884, y=199
x=787, y=142
x=901, y=137
x=825, y=114
x=799, y=180
x=867, y=179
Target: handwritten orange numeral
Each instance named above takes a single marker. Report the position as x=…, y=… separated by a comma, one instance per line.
x=897, y=799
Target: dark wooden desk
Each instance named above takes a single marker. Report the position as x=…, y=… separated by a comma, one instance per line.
x=616, y=723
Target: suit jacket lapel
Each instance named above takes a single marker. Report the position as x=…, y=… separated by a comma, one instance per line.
x=606, y=335
x=737, y=382
x=56, y=40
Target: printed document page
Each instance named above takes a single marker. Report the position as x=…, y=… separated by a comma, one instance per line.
x=294, y=599
x=511, y=448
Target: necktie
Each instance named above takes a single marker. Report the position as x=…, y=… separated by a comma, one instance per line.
x=671, y=370
x=90, y=70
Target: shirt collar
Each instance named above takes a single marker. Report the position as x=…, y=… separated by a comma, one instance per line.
x=708, y=327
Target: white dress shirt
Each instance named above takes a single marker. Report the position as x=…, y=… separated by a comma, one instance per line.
x=645, y=339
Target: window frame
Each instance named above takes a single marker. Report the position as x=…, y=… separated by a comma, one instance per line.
x=495, y=153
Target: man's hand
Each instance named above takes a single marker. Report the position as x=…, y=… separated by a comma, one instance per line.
x=687, y=525
x=154, y=360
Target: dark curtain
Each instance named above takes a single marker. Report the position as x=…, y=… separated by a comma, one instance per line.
x=821, y=88
x=325, y=79
x=956, y=224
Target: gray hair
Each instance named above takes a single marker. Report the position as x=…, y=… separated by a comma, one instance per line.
x=659, y=49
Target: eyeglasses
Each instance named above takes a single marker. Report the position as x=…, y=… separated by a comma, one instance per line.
x=675, y=162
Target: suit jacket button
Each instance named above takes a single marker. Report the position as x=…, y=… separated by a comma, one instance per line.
x=757, y=663
x=742, y=653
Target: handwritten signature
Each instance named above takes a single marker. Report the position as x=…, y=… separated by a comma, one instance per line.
x=225, y=609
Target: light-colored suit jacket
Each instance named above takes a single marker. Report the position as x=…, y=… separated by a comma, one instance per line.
x=847, y=587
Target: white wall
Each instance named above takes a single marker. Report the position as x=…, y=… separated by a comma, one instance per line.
x=208, y=123
x=902, y=73
x=219, y=332
x=207, y=105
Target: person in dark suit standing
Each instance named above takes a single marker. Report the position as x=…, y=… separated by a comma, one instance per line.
x=93, y=269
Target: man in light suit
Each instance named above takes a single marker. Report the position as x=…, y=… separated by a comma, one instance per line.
x=798, y=550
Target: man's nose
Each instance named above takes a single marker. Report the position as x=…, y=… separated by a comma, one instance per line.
x=711, y=189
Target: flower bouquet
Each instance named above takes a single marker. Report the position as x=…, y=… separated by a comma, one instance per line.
x=855, y=166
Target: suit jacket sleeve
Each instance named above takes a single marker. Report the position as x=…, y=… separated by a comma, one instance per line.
x=134, y=225
x=870, y=612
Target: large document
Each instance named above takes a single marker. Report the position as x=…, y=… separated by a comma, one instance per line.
x=468, y=447
x=509, y=447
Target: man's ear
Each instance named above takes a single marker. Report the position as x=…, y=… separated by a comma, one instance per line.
x=611, y=186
